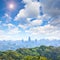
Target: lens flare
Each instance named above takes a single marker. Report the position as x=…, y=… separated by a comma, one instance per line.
x=11, y=6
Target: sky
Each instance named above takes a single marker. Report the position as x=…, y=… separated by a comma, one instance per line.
x=38, y=19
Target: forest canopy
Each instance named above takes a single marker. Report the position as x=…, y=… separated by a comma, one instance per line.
x=38, y=53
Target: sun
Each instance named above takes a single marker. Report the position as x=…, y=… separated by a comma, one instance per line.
x=11, y=6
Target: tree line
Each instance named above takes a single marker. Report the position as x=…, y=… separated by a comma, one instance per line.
x=37, y=53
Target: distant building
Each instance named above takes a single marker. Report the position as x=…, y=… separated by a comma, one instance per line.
x=22, y=40
x=29, y=39
x=41, y=10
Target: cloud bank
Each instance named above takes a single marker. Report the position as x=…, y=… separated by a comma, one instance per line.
x=32, y=23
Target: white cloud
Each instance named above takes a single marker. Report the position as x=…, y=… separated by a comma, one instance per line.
x=40, y=32
x=45, y=32
x=23, y=26
x=31, y=10
x=7, y=18
x=1, y=32
x=55, y=22
x=31, y=24
x=51, y=7
x=11, y=34
x=9, y=25
x=36, y=22
x=20, y=15
x=10, y=37
x=27, y=1
x=14, y=31
x=0, y=21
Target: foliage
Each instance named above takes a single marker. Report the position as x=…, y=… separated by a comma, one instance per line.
x=38, y=53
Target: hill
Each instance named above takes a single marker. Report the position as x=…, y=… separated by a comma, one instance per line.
x=37, y=53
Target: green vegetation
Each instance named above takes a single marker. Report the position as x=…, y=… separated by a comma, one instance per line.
x=38, y=53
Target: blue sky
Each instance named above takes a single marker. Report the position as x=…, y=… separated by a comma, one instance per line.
x=39, y=19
